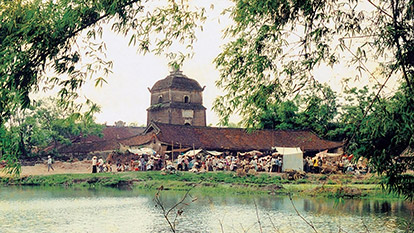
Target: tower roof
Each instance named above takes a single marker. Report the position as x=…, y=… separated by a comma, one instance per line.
x=177, y=80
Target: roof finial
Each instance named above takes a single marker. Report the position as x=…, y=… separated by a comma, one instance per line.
x=175, y=68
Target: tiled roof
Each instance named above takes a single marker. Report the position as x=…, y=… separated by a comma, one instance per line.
x=84, y=148
x=110, y=140
x=176, y=80
x=213, y=138
x=209, y=138
x=137, y=140
x=113, y=133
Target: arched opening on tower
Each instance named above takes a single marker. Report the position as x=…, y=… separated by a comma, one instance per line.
x=160, y=99
x=186, y=99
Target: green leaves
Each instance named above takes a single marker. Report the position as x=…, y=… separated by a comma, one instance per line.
x=49, y=122
x=267, y=69
x=167, y=26
x=38, y=36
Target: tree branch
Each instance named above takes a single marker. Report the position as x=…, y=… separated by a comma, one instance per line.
x=165, y=212
x=380, y=9
x=297, y=212
x=370, y=105
x=257, y=215
x=397, y=36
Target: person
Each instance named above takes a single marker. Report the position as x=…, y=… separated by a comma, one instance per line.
x=273, y=163
x=278, y=165
x=209, y=164
x=100, y=164
x=254, y=163
x=305, y=165
x=94, y=161
x=119, y=167
x=142, y=163
x=179, y=163
x=316, y=164
x=150, y=164
x=170, y=166
x=281, y=163
x=220, y=165
x=49, y=163
x=108, y=166
x=191, y=163
x=132, y=164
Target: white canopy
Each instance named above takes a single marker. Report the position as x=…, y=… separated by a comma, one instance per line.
x=192, y=152
x=332, y=157
x=142, y=151
x=252, y=153
x=214, y=153
x=292, y=158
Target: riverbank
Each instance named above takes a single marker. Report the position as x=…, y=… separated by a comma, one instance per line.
x=336, y=186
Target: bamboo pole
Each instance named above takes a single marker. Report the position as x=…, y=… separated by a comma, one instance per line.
x=193, y=150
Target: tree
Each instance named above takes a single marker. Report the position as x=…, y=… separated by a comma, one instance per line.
x=282, y=115
x=60, y=35
x=49, y=123
x=40, y=35
x=276, y=46
x=315, y=109
x=382, y=135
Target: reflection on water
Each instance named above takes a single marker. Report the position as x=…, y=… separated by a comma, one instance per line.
x=43, y=209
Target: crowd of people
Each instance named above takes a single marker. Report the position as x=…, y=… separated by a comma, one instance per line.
x=205, y=163
x=268, y=163
x=342, y=164
x=194, y=163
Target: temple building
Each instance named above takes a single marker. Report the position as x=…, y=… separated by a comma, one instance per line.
x=176, y=122
x=177, y=100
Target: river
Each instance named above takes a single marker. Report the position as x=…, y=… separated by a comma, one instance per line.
x=55, y=209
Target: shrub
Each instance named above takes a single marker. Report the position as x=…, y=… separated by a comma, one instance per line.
x=302, y=181
x=331, y=182
x=323, y=177
x=252, y=172
x=241, y=172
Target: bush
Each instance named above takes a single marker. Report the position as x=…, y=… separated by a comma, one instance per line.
x=252, y=172
x=331, y=182
x=323, y=177
x=241, y=172
x=302, y=181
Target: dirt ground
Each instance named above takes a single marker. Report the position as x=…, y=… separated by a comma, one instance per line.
x=60, y=168
x=86, y=167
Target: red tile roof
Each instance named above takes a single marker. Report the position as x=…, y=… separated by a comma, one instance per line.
x=84, y=148
x=209, y=138
x=113, y=133
x=110, y=140
x=213, y=138
x=137, y=140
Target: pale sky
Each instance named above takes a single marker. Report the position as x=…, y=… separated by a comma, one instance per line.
x=126, y=97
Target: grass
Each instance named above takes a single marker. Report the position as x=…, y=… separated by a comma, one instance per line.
x=335, y=186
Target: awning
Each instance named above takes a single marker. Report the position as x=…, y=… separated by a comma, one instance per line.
x=288, y=150
x=142, y=151
x=252, y=153
x=177, y=150
x=214, y=153
x=192, y=152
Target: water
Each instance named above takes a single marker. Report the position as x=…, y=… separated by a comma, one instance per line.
x=43, y=209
